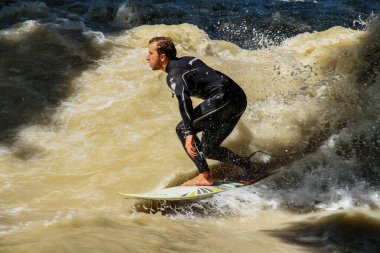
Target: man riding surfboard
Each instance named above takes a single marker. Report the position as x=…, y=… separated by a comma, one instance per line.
x=216, y=117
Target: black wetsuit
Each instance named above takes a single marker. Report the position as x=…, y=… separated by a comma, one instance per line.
x=224, y=103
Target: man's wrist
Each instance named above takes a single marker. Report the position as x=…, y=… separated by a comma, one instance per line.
x=188, y=132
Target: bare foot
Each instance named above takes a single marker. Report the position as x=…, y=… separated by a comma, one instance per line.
x=203, y=179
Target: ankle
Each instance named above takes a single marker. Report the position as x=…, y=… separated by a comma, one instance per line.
x=206, y=174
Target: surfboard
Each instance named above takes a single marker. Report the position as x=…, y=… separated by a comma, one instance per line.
x=183, y=192
x=189, y=192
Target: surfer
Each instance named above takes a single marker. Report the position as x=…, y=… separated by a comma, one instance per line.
x=216, y=117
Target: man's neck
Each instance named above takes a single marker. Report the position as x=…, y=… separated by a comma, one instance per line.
x=165, y=65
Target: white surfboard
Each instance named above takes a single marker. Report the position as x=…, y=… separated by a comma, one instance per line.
x=183, y=192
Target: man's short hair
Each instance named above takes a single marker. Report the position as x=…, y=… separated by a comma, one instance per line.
x=165, y=46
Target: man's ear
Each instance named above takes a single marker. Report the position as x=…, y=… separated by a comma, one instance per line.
x=162, y=57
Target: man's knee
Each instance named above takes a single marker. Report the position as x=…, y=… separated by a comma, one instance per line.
x=180, y=130
x=209, y=152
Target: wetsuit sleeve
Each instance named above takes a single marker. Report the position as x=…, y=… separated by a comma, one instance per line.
x=184, y=102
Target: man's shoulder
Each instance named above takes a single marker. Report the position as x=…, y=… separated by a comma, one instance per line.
x=184, y=63
x=190, y=61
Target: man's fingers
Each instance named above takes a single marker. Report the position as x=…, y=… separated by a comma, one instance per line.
x=192, y=152
x=190, y=146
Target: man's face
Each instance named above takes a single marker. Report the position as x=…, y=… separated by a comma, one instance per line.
x=153, y=57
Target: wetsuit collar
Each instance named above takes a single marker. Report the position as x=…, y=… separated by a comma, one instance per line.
x=171, y=64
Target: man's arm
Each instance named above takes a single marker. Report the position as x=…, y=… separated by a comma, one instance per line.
x=184, y=102
x=186, y=110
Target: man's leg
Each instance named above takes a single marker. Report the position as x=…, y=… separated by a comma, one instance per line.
x=216, y=118
x=204, y=177
x=200, y=160
x=213, y=137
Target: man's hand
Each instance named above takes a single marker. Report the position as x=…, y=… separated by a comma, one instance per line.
x=190, y=146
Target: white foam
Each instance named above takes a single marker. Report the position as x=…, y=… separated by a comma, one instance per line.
x=241, y=202
x=342, y=200
x=14, y=211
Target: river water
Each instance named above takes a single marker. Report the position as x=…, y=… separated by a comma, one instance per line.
x=83, y=117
